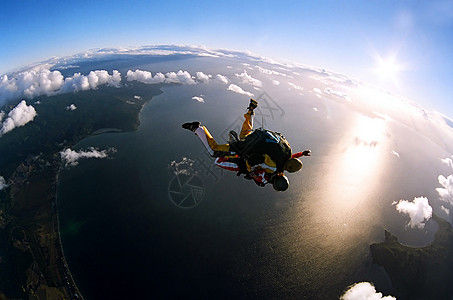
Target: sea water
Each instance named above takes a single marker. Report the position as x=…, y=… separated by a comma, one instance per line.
x=125, y=236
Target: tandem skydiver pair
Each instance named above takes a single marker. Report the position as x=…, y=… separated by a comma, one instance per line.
x=261, y=155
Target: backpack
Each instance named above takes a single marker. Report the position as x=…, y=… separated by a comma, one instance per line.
x=262, y=141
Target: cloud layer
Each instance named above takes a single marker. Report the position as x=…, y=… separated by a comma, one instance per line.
x=71, y=157
x=419, y=211
x=364, y=291
x=18, y=116
x=41, y=81
x=34, y=83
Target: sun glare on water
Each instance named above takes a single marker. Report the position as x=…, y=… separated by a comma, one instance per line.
x=359, y=163
x=354, y=170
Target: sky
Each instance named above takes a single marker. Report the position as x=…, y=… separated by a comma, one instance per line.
x=405, y=47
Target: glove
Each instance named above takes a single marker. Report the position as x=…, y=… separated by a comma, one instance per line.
x=306, y=153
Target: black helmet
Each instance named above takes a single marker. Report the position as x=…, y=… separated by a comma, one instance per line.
x=280, y=183
x=293, y=165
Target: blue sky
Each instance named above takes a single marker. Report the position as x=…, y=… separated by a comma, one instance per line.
x=403, y=46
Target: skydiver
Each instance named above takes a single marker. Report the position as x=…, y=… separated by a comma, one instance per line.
x=262, y=155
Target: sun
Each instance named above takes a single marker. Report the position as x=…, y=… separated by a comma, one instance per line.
x=388, y=68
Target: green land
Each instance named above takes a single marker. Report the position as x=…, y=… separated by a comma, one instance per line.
x=419, y=273
x=32, y=263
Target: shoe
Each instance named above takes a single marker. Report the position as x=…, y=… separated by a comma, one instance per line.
x=233, y=137
x=252, y=105
x=191, y=126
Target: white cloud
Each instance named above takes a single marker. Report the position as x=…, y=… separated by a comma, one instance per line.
x=203, y=77
x=446, y=210
x=2, y=115
x=446, y=193
x=71, y=157
x=71, y=107
x=275, y=82
x=239, y=90
x=146, y=77
x=395, y=153
x=419, y=211
x=30, y=84
x=448, y=161
x=266, y=71
x=295, y=86
x=198, y=98
x=79, y=82
x=364, y=291
x=138, y=97
x=271, y=72
x=317, y=91
x=37, y=82
x=248, y=79
x=3, y=184
x=115, y=79
x=183, y=167
x=221, y=79
x=329, y=91
x=182, y=77
x=18, y=116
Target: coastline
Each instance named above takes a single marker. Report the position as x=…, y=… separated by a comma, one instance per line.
x=419, y=273
x=32, y=220
x=72, y=285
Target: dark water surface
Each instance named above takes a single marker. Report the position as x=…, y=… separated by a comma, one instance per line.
x=124, y=238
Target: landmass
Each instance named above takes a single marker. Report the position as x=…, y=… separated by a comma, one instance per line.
x=419, y=273
x=32, y=262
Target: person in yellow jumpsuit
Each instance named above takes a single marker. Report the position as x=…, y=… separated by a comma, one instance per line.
x=254, y=162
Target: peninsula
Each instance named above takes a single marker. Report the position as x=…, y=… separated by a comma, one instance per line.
x=32, y=262
x=419, y=273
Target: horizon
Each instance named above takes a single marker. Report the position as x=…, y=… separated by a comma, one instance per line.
x=405, y=48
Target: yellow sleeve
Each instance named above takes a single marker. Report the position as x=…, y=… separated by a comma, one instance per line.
x=268, y=165
x=268, y=161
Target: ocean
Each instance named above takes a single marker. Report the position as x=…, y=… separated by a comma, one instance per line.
x=133, y=226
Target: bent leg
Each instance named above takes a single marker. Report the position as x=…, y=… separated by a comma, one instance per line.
x=227, y=164
x=247, y=126
x=208, y=141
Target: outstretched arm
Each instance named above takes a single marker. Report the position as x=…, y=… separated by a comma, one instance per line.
x=299, y=154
